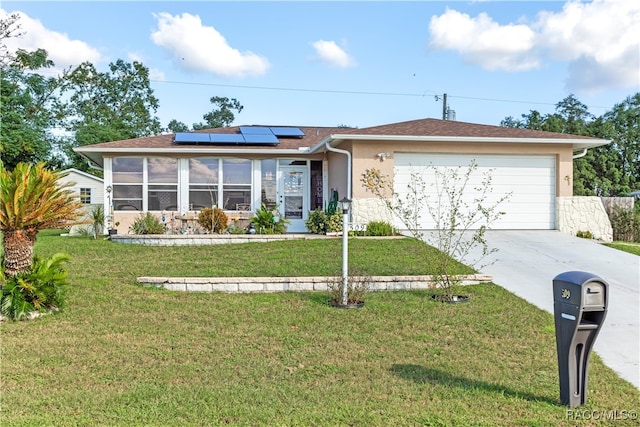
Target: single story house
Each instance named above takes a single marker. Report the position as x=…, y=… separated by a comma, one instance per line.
x=89, y=189
x=298, y=169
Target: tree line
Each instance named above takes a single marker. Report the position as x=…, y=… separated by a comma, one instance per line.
x=44, y=117
x=610, y=170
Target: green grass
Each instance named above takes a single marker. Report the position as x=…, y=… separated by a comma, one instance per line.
x=125, y=355
x=632, y=248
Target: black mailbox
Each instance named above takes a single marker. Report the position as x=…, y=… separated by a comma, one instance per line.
x=580, y=306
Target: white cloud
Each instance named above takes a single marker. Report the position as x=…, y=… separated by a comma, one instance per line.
x=197, y=47
x=600, y=40
x=483, y=41
x=62, y=50
x=332, y=54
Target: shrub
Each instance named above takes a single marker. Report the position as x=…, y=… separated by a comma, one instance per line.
x=213, y=220
x=317, y=222
x=625, y=224
x=358, y=284
x=265, y=221
x=334, y=222
x=584, y=234
x=87, y=231
x=379, y=228
x=321, y=222
x=39, y=290
x=147, y=224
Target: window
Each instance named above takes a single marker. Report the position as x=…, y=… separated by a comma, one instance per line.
x=162, y=176
x=316, y=185
x=236, y=186
x=203, y=183
x=268, y=183
x=127, y=183
x=85, y=196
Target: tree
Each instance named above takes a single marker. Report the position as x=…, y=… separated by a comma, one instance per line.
x=27, y=104
x=614, y=169
x=176, y=126
x=9, y=28
x=110, y=106
x=219, y=117
x=571, y=116
x=459, y=204
x=610, y=170
x=31, y=198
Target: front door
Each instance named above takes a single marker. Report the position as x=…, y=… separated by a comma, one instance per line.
x=293, y=196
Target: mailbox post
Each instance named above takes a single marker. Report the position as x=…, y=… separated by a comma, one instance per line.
x=580, y=306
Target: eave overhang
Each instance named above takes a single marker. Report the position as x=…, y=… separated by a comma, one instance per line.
x=95, y=156
x=578, y=144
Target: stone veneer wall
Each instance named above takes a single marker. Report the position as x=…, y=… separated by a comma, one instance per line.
x=582, y=213
x=205, y=239
x=289, y=284
x=367, y=210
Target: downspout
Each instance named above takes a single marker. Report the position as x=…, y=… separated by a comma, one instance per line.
x=348, y=154
x=577, y=156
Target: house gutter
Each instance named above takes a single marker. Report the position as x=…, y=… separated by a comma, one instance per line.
x=348, y=154
x=577, y=156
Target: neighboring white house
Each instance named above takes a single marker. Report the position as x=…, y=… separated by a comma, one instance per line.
x=89, y=188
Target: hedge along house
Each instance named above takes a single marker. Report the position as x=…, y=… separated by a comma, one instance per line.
x=298, y=169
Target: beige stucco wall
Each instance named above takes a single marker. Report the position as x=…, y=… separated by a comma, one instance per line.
x=337, y=171
x=365, y=155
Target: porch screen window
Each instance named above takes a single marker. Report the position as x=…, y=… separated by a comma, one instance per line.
x=85, y=196
x=162, y=176
x=127, y=183
x=236, y=186
x=268, y=197
x=203, y=183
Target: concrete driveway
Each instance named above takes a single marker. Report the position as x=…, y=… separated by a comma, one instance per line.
x=527, y=262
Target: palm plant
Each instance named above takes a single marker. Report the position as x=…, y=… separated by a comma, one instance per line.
x=266, y=221
x=31, y=199
x=98, y=218
x=37, y=291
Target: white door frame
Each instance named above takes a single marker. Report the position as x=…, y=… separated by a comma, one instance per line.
x=300, y=212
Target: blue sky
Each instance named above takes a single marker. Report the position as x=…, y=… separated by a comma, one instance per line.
x=354, y=63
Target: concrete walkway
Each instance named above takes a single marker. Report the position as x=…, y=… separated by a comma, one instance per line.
x=527, y=262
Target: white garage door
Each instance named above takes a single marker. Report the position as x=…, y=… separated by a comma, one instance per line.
x=529, y=178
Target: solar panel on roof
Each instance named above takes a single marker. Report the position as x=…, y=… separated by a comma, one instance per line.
x=226, y=138
x=188, y=138
x=261, y=139
x=287, y=131
x=255, y=130
x=191, y=138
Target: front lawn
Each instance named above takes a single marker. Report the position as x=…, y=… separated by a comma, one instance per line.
x=122, y=355
x=632, y=248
